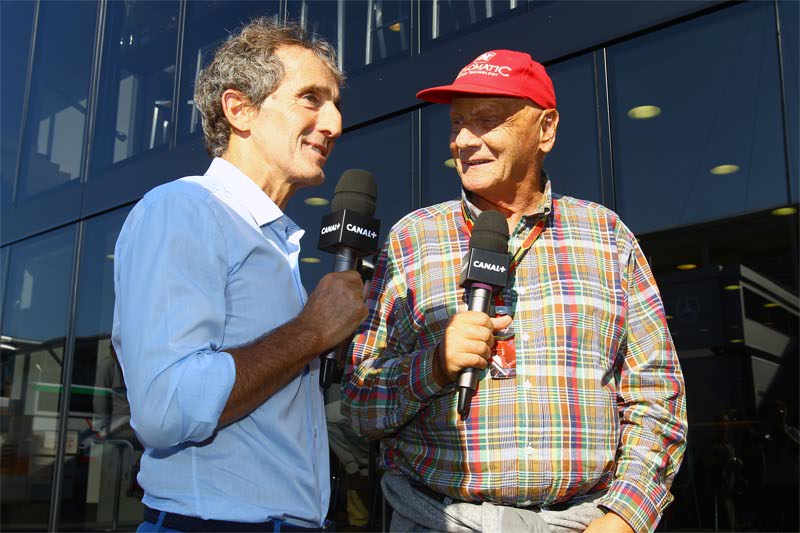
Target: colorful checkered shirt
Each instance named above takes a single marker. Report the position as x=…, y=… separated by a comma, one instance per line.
x=598, y=401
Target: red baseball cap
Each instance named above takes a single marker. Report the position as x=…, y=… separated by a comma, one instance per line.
x=498, y=73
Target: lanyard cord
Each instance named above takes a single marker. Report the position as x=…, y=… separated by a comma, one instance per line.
x=520, y=254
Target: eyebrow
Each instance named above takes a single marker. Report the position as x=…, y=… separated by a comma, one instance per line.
x=320, y=89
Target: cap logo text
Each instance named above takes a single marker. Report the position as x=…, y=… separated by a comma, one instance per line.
x=485, y=69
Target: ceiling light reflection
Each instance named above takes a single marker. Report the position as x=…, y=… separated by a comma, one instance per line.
x=721, y=170
x=644, y=112
x=316, y=201
x=783, y=211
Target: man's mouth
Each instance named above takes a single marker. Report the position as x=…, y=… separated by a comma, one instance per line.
x=321, y=150
x=476, y=162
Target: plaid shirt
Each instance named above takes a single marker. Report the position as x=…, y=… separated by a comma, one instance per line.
x=598, y=401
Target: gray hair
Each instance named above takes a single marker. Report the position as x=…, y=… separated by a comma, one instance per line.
x=247, y=63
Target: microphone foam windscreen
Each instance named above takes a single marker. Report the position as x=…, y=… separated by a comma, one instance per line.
x=355, y=191
x=490, y=232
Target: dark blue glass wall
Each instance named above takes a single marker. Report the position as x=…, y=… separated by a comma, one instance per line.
x=97, y=109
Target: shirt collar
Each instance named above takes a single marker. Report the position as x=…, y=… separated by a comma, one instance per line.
x=244, y=190
x=543, y=208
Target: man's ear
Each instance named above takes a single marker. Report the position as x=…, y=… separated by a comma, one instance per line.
x=237, y=110
x=549, y=125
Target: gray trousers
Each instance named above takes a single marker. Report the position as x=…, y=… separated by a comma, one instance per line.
x=415, y=511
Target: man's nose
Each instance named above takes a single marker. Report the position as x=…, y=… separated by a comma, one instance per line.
x=466, y=139
x=329, y=121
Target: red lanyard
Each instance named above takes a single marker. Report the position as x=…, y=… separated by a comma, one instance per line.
x=520, y=253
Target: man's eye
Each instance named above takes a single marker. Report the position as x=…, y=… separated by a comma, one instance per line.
x=311, y=98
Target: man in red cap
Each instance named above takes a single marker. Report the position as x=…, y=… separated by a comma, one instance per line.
x=579, y=421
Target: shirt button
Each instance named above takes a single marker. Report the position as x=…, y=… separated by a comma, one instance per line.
x=527, y=384
x=529, y=450
x=526, y=337
x=521, y=290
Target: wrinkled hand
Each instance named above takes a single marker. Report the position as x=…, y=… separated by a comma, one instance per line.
x=335, y=308
x=467, y=343
x=609, y=523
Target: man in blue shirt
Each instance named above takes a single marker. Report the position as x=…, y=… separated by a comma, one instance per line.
x=217, y=339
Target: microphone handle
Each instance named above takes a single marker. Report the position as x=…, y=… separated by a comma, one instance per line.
x=480, y=300
x=345, y=260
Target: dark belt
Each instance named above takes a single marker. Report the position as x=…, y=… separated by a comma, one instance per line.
x=443, y=498
x=192, y=523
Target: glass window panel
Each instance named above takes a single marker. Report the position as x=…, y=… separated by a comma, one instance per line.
x=134, y=111
x=208, y=25
x=101, y=466
x=364, y=33
x=440, y=181
x=383, y=149
x=34, y=327
x=53, y=146
x=440, y=18
x=16, y=20
x=716, y=148
x=789, y=13
x=574, y=162
x=708, y=309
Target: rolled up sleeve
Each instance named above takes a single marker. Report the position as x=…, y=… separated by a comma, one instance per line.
x=171, y=269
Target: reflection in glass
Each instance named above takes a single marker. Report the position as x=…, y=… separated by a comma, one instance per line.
x=574, y=162
x=53, y=144
x=102, y=471
x=443, y=17
x=209, y=24
x=16, y=22
x=729, y=332
x=34, y=327
x=440, y=181
x=134, y=112
x=383, y=149
x=716, y=82
x=363, y=33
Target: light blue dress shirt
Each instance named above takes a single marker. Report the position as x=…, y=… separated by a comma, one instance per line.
x=203, y=264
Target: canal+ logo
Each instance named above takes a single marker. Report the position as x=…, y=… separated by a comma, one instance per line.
x=488, y=266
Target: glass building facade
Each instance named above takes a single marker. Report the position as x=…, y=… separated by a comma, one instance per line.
x=680, y=116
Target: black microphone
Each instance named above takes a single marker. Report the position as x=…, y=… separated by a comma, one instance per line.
x=350, y=232
x=485, y=273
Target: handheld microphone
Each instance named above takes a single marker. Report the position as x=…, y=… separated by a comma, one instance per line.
x=350, y=232
x=485, y=272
